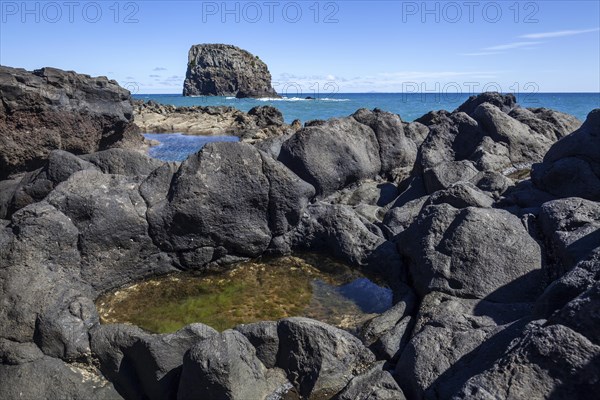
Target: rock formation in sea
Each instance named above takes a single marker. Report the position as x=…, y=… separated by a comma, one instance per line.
x=495, y=275
x=226, y=70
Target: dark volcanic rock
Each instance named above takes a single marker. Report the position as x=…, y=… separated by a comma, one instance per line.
x=546, y=362
x=229, y=196
x=62, y=329
x=524, y=145
x=50, y=378
x=333, y=155
x=338, y=230
x=571, y=168
x=387, y=334
x=34, y=186
x=110, y=214
x=266, y=115
x=397, y=152
x=553, y=124
x=579, y=279
x=264, y=338
x=144, y=365
x=40, y=268
x=50, y=109
x=487, y=134
x=225, y=367
x=572, y=230
x=582, y=314
x=473, y=253
x=123, y=162
x=375, y=384
x=318, y=358
x=225, y=70
x=505, y=102
x=447, y=342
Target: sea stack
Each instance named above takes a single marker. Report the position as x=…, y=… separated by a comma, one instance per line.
x=226, y=70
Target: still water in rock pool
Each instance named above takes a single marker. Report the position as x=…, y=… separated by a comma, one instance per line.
x=177, y=147
x=307, y=285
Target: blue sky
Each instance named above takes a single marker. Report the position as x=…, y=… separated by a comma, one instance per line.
x=345, y=46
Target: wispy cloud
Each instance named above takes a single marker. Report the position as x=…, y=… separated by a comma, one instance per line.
x=545, y=35
x=509, y=46
x=159, y=69
x=154, y=76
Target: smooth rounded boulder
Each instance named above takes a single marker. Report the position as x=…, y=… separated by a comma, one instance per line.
x=332, y=155
x=473, y=253
x=571, y=168
x=228, y=196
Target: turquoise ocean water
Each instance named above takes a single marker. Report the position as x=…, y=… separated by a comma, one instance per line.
x=408, y=106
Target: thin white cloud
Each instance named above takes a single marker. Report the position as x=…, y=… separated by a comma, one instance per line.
x=159, y=69
x=509, y=46
x=545, y=35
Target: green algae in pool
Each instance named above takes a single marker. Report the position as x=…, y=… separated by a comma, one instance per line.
x=308, y=285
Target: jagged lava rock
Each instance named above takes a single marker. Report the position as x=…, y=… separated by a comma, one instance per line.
x=50, y=109
x=226, y=70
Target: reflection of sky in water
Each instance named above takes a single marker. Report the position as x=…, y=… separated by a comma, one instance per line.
x=177, y=147
x=366, y=295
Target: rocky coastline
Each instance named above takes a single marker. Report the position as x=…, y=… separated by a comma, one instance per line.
x=484, y=221
x=258, y=123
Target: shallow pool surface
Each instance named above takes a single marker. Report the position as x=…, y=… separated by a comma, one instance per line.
x=307, y=285
x=177, y=146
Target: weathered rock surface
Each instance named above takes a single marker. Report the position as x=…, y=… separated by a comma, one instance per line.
x=225, y=70
x=571, y=227
x=110, y=215
x=545, y=362
x=40, y=268
x=397, y=151
x=50, y=109
x=467, y=246
x=259, y=200
x=123, y=162
x=505, y=102
x=488, y=133
x=143, y=365
x=387, y=334
x=450, y=340
x=579, y=279
x=333, y=155
x=571, y=168
x=34, y=186
x=263, y=336
x=49, y=378
x=319, y=359
x=375, y=384
x=473, y=253
x=225, y=366
x=338, y=230
x=62, y=329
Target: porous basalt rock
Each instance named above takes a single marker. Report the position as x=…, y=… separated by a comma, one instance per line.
x=50, y=109
x=226, y=70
